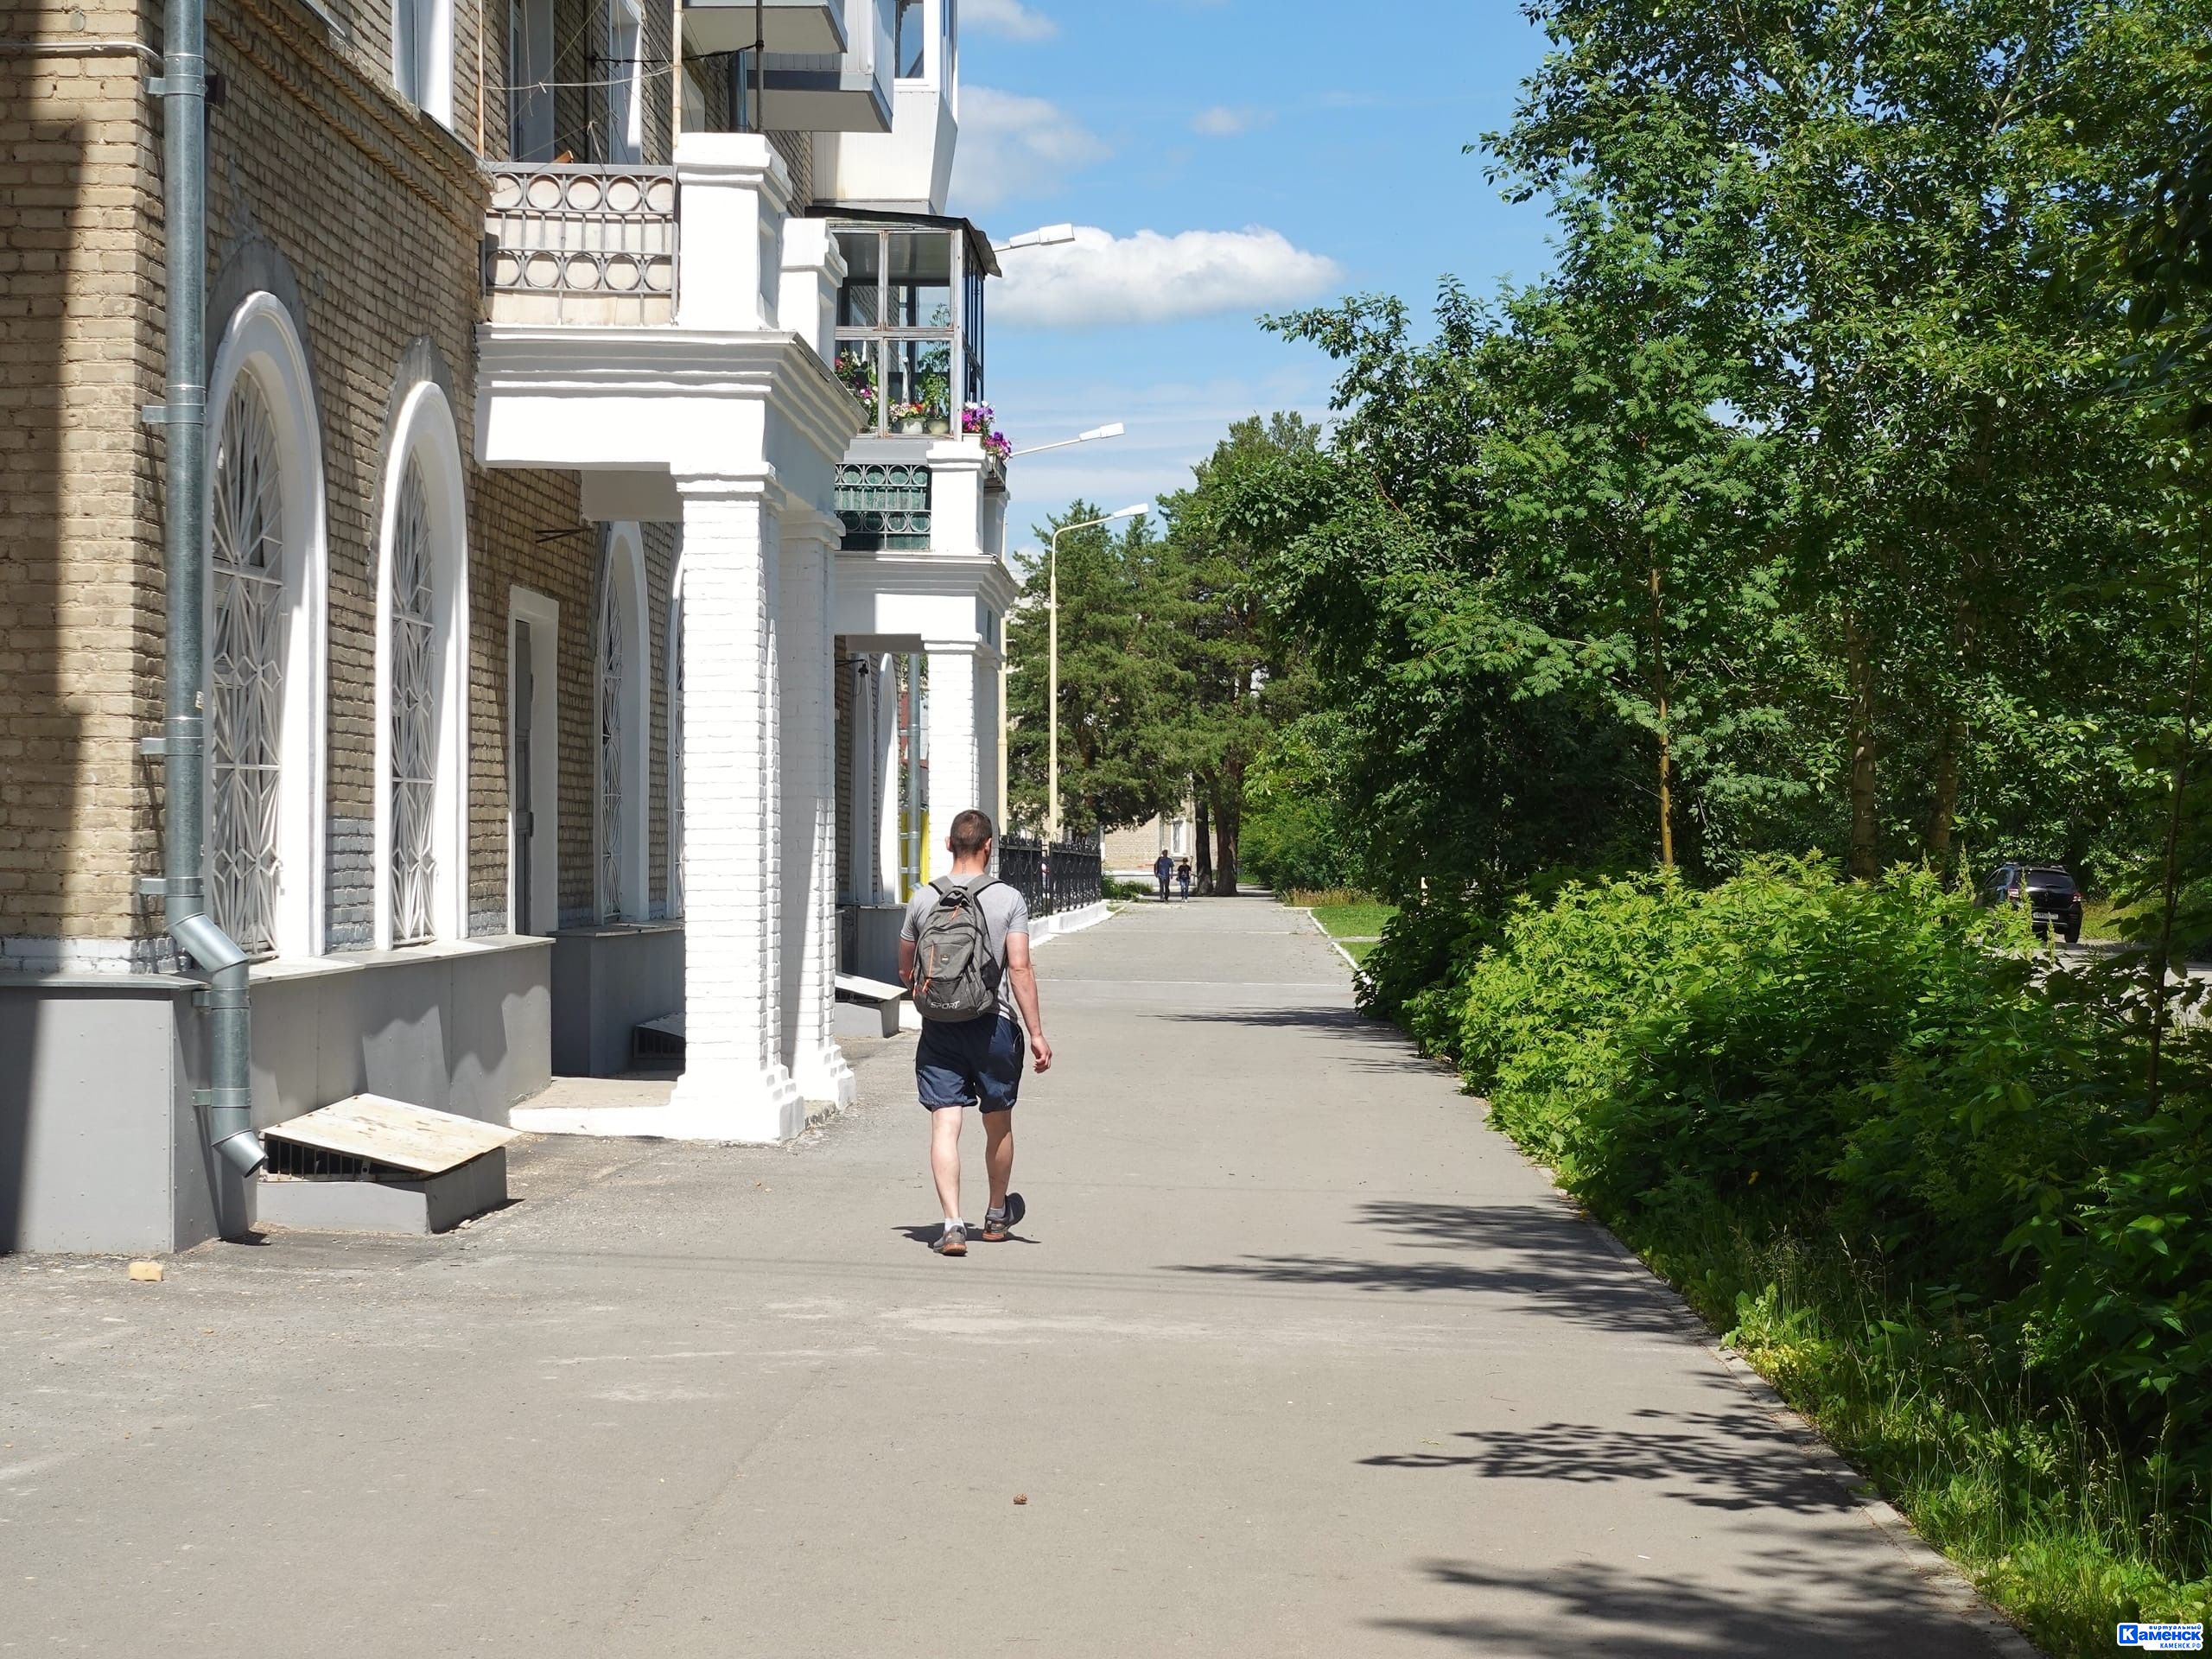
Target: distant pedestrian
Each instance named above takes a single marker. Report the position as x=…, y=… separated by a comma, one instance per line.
x=964, y=952
x=1183, y=878
x=1163, y=871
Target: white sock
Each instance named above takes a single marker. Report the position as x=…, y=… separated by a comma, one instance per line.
x=954, y=1221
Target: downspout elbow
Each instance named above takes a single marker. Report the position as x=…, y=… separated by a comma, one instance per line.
x=229, y=1101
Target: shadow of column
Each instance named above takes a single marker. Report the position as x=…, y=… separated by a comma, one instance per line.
x=43, y=781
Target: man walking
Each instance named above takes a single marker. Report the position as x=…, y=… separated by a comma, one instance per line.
x=964, y=952
x=1163, y=870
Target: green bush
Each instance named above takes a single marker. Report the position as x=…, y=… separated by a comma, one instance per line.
x=1289, y=840
x=1915, y=1166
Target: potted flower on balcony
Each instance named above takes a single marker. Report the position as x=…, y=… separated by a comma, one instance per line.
x=936, y=402
x=857, y=372
x=909, y=417
x=976, y=417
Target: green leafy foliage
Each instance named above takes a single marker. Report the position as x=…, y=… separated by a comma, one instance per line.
x=1883, y=1080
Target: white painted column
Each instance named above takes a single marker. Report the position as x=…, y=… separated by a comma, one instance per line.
x=885, y=841
x=955, y=775
x=735, y=1086
x=733, y=194
x=806, y=651
x=813, y=272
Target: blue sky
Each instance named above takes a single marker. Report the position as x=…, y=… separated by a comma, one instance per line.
x=1225, y=157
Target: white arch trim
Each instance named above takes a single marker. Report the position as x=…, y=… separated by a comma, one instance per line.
x=427, y=436
x=622, y=602
x=261, y=341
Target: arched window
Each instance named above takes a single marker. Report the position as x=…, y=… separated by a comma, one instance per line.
x=674, y=656
x=246, y=671
x=265, y=639
x=413, y=644
x=625, y=729
x=421, y=604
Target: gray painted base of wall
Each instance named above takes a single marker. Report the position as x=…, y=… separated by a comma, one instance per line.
x=465, y=1028
x=436, y=1205
x=102, y=1149
x=606, y=982
x=100, y=1144
x=876, y=952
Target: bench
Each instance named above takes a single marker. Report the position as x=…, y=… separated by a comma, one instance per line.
x=875, y=996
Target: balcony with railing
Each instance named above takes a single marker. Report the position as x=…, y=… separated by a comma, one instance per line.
x=885, y=506
x=580, y=244
x=828, y=68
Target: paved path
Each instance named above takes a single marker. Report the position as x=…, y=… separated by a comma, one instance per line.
x=1295, y=1357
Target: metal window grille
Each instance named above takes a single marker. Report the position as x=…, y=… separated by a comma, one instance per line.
x=246, y=671
x=413, y=713
x=610, y=756
x=884, y=506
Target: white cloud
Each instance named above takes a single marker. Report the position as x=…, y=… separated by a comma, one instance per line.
x=1101, y=279
x=1222, y=122
x=1172, y=425
x=1008, y=19
x=1013, y=146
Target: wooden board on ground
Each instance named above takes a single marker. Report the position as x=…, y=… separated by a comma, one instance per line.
x=867, y=990
x=393, y=1132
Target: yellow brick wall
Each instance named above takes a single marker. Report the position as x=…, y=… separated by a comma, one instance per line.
x=78, y=678
x=376, y=211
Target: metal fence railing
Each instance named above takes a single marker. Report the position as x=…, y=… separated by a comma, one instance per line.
x=1073, y=875
x=1063, y=877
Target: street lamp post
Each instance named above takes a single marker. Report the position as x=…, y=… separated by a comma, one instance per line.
x=1052, y=666
x=1092, y=436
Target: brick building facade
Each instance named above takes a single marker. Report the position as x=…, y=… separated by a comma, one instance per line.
x=449, y=891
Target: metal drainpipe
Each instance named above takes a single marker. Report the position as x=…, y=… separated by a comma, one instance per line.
x=184, y=746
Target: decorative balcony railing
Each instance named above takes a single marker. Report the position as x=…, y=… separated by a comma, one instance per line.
x=588, y=244
x=885, y=505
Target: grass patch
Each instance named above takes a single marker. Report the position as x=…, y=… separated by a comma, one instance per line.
x=2100, y=917
x=1351, y=916
x=1323, y=897
x=1363, y=922
x=1359, y=950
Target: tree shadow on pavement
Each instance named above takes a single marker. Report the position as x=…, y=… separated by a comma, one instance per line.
x=1535, y=1257
x=1734, y=1460
x=1538, y=1257
x=1380, y=1046
x=1791, y=1604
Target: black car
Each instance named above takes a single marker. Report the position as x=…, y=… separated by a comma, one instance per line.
x=2053, y=900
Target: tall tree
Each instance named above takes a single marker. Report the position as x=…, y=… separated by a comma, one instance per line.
x=1906, y=179
x=1113, y=682
x=1237, y=675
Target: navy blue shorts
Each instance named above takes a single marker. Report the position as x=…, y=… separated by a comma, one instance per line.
x=970, y=1063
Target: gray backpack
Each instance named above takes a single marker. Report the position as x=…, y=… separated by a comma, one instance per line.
x=955, y=976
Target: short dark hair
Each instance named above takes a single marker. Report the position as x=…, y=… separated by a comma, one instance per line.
x=971, y=832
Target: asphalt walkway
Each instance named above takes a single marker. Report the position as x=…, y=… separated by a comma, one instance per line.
x=1294, y=1355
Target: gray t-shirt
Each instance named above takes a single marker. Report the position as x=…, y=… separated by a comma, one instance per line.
x=1005, y=912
